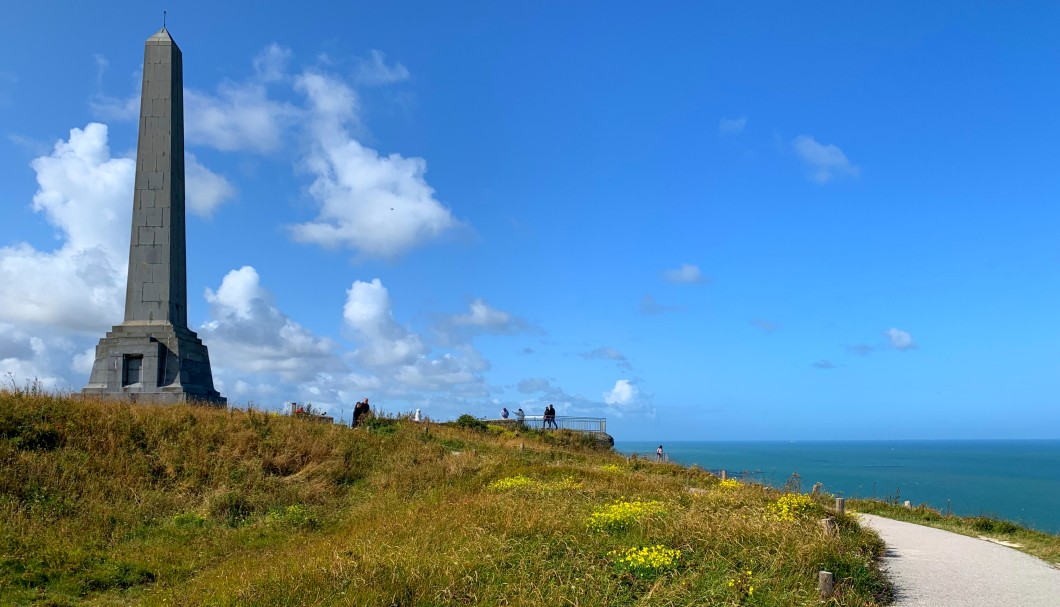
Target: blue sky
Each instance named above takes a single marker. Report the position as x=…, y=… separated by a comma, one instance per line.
x=701, y=221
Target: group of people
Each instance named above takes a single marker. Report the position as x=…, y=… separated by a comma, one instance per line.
x=548, y=420
x=550, y=417
x=360, y=410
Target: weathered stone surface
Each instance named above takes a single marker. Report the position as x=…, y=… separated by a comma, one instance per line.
x=153, y=356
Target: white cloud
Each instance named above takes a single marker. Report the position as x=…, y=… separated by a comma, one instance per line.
x=375, y=71
x=482, y=315
x=899, y=339
x=247, y=333
x=687, y=273
x=271, y=63
x=623, y=394
x=42, y=357
x=239, y=117
x=823, y=365
x=86, y=195
x=204, y=189
x=824, y=161
x=732, y=126
x=483, y=318
x=380, y=205
x=385, y=342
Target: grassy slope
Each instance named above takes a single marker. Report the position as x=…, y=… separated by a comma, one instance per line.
x=108, y=504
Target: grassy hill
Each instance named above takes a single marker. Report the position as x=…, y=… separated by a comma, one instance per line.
x=114, y=504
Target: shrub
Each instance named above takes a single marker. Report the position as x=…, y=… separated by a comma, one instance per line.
x=986, y=524
x=471, y=422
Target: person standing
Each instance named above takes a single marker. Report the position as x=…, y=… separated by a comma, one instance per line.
x=504, y=412
x=659, y=453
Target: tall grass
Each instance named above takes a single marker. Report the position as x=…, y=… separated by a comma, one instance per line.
x=107, y=503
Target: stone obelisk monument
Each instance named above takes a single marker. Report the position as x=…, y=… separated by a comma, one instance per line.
x=152, y=356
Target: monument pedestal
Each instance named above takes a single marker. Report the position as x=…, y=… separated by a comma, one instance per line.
x=154, y=362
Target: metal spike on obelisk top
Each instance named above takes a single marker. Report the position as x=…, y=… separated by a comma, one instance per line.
x=163, y=19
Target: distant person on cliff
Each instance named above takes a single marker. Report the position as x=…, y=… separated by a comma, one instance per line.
x=504, y=412
x=416, y=416
x=659, y=453
x=519, y=415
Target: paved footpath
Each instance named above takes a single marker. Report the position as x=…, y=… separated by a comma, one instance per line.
x=935, y=568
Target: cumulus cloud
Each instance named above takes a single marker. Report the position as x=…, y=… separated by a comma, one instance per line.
x=899, y=339
x=204, y=189
x=650, y=307
x=385, y=342
x=271, y=63
x=687, y=274
x=481, y=318
x=374, y=70
x=379, y=205
x=248, y=333
x=823, y=161
x=86, y=195
x=240, y=116
x=732, y=126
x=40, y=356
x=624, y=393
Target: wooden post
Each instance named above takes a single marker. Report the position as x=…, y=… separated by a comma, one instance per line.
x=722, y=475
x=829, y=526
x=908, y=504
x=840, y=506
x=825, y=583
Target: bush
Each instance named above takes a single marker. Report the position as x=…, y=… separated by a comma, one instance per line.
x=986, y=524
x=471, y=423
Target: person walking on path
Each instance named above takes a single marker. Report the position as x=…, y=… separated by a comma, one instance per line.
x=934, y=568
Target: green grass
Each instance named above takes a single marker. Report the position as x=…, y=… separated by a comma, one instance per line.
x=1042, y=545
x=111, y=504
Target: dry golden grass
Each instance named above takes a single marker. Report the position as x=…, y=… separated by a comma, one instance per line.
x=111, y=504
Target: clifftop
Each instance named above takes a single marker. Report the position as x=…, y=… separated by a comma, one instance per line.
x=108, y=503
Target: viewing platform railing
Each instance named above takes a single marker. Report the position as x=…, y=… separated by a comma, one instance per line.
x=597, y=425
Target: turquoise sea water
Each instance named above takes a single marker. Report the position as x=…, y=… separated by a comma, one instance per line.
x=1014, y=480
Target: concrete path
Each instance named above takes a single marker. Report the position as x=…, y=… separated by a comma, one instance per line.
x=935, y=568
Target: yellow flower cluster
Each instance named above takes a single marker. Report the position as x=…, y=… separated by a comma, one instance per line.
x=524, y=483
x=612, y=468
x=622, y=515
x=790, y=506
x=513, y=483
x=646, y=561
x=742, y=585
x=729, y=483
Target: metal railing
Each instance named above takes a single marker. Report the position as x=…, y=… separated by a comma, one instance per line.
x=577, y=424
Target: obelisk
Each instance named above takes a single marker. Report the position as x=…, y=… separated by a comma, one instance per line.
x=152, y=356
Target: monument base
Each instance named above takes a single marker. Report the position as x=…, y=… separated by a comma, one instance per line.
x=154, y=362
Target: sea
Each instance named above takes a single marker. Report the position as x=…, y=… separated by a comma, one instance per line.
x=1015, y=480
